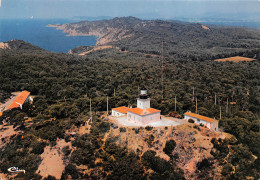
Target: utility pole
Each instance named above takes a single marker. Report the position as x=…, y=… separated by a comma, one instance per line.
x=175, y=104
x=107, y=106
x=138, y=89
x=220, y=112
x=215, y=99
x=162, y=70
x=193, y=92
x=114, y=91
x=90, y=111
x=196, y=105
x=227, y=107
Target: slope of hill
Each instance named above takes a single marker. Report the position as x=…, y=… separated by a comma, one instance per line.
x=57, y=126
x=191, y=144
x=189, y=40
x=16, y=44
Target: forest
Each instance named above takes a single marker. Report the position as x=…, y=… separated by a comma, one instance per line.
x=63, y=85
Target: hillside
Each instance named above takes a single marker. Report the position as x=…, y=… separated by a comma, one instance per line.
x=181, y=40
x=54, y=135
x=191, y=144
x=16, y=44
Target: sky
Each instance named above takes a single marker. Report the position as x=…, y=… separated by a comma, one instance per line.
x=145, y=9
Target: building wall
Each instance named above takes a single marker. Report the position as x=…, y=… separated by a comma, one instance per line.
x=212, y=126
x=143, y=103
x=145, y=119
x=117, y=114
x=215, y=125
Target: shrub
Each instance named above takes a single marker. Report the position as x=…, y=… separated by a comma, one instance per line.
x=122, y=129
x=204, y=164
x=191, y=121
x=148, y=128
x=66, y=150
x=169, y=147
x=196, y=127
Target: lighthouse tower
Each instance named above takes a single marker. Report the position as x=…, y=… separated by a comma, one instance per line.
x=143, y=102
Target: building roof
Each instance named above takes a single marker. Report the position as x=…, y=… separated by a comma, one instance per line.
x=204, y=118
x=143, y=112
x=1, y=113
x=20, y=99
x=121, y=109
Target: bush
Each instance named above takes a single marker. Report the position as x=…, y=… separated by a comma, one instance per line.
x=38, y=148
x=66, y=150
x=191, y=121
x=169, y=147
x=148, y=128
x=49, y=178
x=204, y=164
x=227, y=169
x=196, y=127
x=137, y=130
x=122, y=129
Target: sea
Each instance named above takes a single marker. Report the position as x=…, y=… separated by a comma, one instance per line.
x=35, y=32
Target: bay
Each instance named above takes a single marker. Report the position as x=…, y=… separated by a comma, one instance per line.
x=35, y=32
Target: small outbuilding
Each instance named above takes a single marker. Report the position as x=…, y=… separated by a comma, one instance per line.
x=16, y=102
x=199, y=119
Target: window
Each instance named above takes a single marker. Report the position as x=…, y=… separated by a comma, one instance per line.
x=151, y=118
x=198, y=120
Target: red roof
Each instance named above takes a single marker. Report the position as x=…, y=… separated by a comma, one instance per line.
x=121, y=109
x=1, y=113
x=142, y=112
x=20, y=99
x=199, y=117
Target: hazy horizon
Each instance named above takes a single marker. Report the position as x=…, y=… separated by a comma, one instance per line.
x=145, y=9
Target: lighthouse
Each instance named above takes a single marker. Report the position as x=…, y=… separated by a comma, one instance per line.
x=143, y=114
x=143, y=102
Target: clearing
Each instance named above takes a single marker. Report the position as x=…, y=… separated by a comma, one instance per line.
x=52, y=160
x=235, y=59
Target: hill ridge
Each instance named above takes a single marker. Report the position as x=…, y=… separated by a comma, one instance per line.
x=189, y=40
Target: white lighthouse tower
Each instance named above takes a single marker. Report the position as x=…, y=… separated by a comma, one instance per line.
x=143, y=102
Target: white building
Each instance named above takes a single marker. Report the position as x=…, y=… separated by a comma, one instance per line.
x=199, y=119
x=143, y=114
x=120, y=111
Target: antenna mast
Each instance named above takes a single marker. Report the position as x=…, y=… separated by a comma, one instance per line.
x=193, y=92
x=90, y=111
x=227, y=107
x=162, y=70
x=196, y=105
x=220, y=112
x=107, y=106
x=175, y=104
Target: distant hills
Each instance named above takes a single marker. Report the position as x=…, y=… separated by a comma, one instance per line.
x=181, y=40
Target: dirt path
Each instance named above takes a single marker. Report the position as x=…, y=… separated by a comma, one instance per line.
x=52, y=160
x=3, y=177
x=97, y=48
